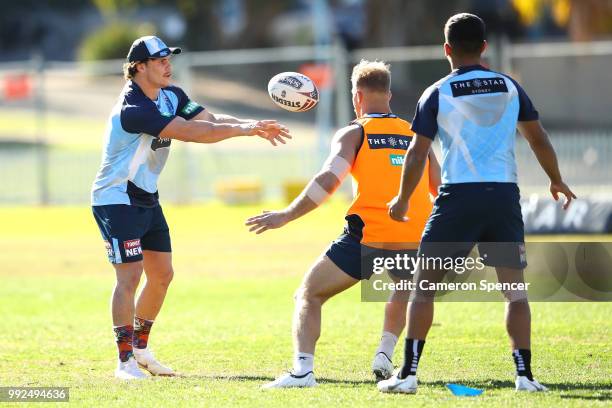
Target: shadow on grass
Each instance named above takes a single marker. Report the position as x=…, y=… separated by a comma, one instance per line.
x=554, y=387
x=605, y=397
x=604, y=390
x=264, y=379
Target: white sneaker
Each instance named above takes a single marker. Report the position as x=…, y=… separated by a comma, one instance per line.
x=382, y=367
x=525, y=384
x=394, y=384
x=128, y=370
x=290, y=380
x=146, y=360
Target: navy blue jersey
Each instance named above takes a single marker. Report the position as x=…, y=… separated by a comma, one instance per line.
x=134, y=154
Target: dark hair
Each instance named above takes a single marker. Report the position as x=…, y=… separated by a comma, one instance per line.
x=465, y=33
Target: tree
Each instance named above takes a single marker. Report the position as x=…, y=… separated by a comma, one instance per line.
x=584, y=19
x=400, y=22
x=589, y=19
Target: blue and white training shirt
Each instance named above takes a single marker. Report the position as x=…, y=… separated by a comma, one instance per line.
x=134, y=154
x=475, y=113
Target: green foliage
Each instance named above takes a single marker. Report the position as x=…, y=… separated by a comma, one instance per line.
x=112, y=41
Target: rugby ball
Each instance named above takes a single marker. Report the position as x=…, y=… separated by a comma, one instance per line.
x=293, y=91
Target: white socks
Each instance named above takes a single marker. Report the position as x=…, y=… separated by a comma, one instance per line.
x=387, y=344
x=303, y=363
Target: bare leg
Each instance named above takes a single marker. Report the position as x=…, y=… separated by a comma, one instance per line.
x=159, y=272
x=518, y=314
x=421, y=306
x=122, y=302
x=323, y=281
x=395, y=310
x=395, y=318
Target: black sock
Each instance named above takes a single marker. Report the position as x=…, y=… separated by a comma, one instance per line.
x=522, y=360
x=413, y=349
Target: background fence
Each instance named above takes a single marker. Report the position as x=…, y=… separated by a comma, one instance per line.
x=53, y=116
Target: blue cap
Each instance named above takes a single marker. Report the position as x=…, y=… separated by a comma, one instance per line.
x=150, y=47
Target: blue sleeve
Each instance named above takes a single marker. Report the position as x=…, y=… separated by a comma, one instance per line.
x=143, y=117
x=425, y=120
x=186, y=109
x=527, y=111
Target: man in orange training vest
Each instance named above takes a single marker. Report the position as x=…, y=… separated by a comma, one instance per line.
x=372, y=149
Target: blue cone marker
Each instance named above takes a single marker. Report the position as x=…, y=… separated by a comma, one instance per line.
x=463, y=391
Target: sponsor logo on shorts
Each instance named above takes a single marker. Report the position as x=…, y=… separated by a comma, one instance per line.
x=132, y=248
x=109, y=250
x=189, y=108
x=396, y=159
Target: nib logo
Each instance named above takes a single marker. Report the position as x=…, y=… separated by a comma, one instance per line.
x=132, y=247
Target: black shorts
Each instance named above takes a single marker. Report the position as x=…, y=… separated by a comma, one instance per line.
x=483, y=214
x=357, y=260
x=128, y=230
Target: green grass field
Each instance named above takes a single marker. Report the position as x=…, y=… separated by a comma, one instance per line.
x=226, y=322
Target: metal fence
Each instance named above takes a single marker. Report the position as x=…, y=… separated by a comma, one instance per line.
x=50, y=141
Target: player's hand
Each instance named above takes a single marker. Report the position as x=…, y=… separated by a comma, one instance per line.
x=562, y=188
x=398, y=209
x=271, y=130
x=267, y=220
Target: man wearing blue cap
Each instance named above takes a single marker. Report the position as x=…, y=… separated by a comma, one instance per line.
x=148, y=115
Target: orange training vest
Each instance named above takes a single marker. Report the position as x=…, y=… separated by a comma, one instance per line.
x=376, y=172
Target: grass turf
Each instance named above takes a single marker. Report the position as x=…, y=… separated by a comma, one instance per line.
x=226, y=322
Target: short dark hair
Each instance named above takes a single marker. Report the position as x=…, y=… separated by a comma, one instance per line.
x=465, y=33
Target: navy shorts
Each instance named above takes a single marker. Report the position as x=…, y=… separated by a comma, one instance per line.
x=483, y=214
x=128, y=230
x=356, y=259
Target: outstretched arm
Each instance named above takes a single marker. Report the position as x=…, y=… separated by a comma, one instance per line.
x=545, y=153
x=199, y=131
x=414, y=164
x=218, y=118
x=321, y=186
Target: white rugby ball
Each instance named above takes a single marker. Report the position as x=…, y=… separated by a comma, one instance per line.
x=293, y=91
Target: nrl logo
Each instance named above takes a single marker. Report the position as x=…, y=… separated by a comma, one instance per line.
x=292, y=82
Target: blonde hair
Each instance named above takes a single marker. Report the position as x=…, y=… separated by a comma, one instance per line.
x=372, y=75
x=130, y=70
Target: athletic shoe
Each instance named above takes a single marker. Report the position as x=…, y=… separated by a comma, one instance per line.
x=290, y=380
x=525, y=384
x=395, y=384
x=382, y=367
x=146, y=360
x=128, y=370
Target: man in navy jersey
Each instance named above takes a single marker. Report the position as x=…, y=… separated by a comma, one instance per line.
x=475, y=113
x=148, y=115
